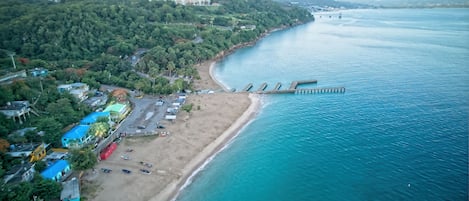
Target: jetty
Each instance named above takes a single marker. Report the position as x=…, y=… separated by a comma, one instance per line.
x=294, y=88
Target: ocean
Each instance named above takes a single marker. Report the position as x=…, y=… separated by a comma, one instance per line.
x=399, y=132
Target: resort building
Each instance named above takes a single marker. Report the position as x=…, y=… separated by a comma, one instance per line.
x=16, y=110
x=57, y=170
x=77, y=136
x=79, y=90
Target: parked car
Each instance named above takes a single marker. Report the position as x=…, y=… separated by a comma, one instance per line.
x=141, y=127
x=145, y=171
x=126, y=171
x=106, y=170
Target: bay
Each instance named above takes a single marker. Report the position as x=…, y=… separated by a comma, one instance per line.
x=400, y=132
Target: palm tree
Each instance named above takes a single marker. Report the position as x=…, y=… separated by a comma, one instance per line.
x=99, y=129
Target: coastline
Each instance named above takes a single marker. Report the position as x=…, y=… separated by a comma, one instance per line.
x=193, y=141
x=172, y=190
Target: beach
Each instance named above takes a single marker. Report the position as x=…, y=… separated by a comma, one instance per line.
x=193, y=138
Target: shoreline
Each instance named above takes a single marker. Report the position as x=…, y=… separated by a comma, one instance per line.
x=192, y=146
x=172, y=190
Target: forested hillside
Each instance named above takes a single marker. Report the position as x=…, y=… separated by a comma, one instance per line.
x=99, y=42
x=101, y=36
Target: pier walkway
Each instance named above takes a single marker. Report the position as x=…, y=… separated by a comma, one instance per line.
x=293, y=89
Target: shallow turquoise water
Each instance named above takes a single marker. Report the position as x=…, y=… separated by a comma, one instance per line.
x=400, y=132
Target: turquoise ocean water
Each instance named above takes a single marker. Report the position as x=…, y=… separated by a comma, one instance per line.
x=400, y=132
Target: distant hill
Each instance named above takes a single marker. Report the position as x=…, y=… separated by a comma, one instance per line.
x=381, y=3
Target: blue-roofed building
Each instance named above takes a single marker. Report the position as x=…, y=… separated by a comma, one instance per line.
x=93, y=117
x=57, y=170
x=77, y=136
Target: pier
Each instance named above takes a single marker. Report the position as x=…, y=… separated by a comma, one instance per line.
x=294, y=88
x=248, y=87
x=277, y=86
x=263, y=86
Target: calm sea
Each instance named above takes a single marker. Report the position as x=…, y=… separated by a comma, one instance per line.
x=400, y=132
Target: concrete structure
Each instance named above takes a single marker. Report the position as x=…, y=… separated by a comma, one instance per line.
x=77, y=136
x=8, y=78
x=16, y=110
x=71, y=190
x=79, y=90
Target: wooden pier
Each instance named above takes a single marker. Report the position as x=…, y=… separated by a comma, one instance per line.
x=295, y=90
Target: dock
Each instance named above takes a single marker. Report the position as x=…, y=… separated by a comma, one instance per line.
x=262, y=87
x=295, y=90
x=248, y=87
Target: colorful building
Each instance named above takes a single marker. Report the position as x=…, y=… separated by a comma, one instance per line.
x=56, y=171
x=93, y=117
x=118, y=111
x=77, y=136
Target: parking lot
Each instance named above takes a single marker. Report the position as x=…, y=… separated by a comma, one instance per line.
x=147, y=113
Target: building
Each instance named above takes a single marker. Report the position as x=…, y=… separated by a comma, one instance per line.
x=94, y=116
x=71, y=190
x=57, y=170
x=193, y=2
x=118, y=111
x=16, y=110
x=39, y=72
x=77, y=136
x=78, y=89
x=19, y=173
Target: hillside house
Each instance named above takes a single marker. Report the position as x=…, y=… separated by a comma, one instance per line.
x=78, y=90
x=16, y=110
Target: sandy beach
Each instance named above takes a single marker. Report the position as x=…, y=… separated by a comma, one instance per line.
x=194, y=137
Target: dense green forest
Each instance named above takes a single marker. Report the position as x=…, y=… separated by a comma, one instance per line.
x=101, y=36
x=99, y=41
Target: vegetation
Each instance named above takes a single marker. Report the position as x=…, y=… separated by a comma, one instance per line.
x=39, y=188
x=82, y=159
x=187, y=107
x=149, y=46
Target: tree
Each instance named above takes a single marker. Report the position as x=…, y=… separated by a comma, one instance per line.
x=40, y=166
x=82, y=159
x=46, y=189
x=99, y=129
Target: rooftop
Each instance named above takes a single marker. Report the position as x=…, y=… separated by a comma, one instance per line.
x=55, y=168
x=115, y=108
x=77, y=132
x=93, y=117
x=71, y=189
